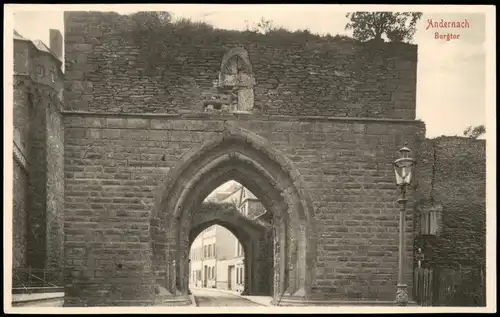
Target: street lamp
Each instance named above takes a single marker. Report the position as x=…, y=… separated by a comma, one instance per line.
x=403, y=168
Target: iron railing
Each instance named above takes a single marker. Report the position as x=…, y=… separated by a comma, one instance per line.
x=29, y=278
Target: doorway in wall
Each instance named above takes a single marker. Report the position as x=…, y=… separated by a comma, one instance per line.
x=230, y=273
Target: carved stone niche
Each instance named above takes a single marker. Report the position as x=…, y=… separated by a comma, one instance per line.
x=236, y=78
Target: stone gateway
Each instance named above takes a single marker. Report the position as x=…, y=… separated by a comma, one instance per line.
x=311, y=127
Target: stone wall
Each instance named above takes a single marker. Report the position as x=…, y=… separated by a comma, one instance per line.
x=453, y=178
x=136, y=106
x=19, y=211
x=55, y=187
x=456, y=179
x=21, y=123
x=107, y=70
x=114, y=165
x=38, y=138
x=37, y=197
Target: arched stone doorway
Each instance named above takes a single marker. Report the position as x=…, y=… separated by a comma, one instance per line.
x=250, y=160
x=253, y=235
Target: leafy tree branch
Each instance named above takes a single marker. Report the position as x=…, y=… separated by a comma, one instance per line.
x=395, y=26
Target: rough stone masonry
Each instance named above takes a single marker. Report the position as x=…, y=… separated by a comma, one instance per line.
x=325, y=122
x=38, y=154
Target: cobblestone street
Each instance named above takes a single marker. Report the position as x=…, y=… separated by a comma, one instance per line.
x=214, y=298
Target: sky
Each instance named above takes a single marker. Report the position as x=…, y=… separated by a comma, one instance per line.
x=451, y=75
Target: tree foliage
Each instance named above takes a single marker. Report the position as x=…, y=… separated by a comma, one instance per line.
x=396, y=26
x=474, y=132
x=152, y=20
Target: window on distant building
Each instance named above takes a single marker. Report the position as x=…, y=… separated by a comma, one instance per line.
x=239, y=273
x=205, y=251
x=214, y=251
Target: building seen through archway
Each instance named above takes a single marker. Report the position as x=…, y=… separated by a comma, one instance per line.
x=217, y=257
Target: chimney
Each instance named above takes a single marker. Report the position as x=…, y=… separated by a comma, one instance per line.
x=56, y=43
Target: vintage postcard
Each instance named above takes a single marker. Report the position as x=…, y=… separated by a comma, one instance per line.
x=249, y=158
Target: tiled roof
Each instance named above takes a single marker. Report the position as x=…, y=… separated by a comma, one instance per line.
x=41, y=46
x=38, y=44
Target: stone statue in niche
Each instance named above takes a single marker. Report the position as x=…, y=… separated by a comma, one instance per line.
x=233, y=91
x=236, y=79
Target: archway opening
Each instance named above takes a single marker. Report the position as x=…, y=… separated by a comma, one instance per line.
x=217, y=260
x=231, y=243
x=247, y=159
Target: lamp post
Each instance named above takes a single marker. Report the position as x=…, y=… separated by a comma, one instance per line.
x=403, y=168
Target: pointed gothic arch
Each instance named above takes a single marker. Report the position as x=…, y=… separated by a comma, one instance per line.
x=252, y=161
